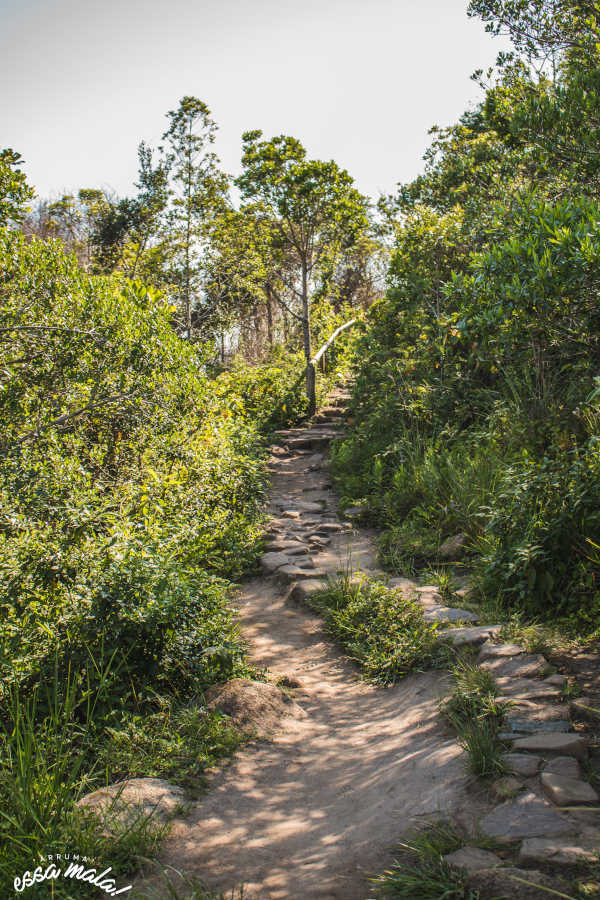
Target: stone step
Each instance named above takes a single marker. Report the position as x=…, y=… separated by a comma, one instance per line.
x=566, y=791
x=527, y=816
x=448, y=614
x=524, y=665
x=556, y=852
x=471, y=635
x=559, y=743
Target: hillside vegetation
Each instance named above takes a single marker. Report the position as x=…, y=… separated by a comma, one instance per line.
x=476, y=404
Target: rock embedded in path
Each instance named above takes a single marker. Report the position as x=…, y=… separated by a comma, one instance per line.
x=555, y=851
x=472, y=859
x=304, y=589
x=127, y=802
x=469, y=636
x=527, y=816
x=309, y=506
x=272, y=561
x=537, y=711
x=448, y=614
x=328, y=528
x=525, y=665
x=567, y=791
x=525, y=688
x=562, y=744
x=500, y=884
x=290, y=514
x=531, y=726
x=565, y=766
x=498, y=651
x=523, y=764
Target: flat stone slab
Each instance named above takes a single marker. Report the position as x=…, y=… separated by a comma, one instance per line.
x=525, y=665
x=555, y=851
x=565, y=766
x=328, y=528
x=448, y=614
x=523, y=764
x=273, y=561
x=540, y=712
x=290, y=572
x=290, y=514
x=531, y=726
x=281, y=545
x=309, y=506
x=472, y=859
x=563, y=744
x=470, y=635
x=525, y=688
x=403, y=584
x=526, y=816
x=498, y=651
x=559, y=681
x=566, y=791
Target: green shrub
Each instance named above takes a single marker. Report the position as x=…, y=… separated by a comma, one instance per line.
x=383, y=631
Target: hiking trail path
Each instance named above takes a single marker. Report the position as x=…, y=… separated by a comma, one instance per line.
x=317, y=808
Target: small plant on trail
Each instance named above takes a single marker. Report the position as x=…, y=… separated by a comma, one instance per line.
x=383, y=631
x=420, y=873
x=443, y=581
x=475, y=714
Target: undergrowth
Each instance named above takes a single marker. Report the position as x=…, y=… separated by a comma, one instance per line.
x=382, y=630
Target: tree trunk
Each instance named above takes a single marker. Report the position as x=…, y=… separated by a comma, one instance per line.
x=310, y=369
x=269, y=318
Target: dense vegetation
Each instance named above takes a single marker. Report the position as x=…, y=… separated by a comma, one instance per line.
x=131, y=484
x=476, y=399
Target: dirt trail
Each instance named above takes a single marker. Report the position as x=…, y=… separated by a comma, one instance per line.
x=314, y=811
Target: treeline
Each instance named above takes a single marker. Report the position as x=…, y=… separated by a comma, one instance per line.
x=241, y=277
x=476, y=409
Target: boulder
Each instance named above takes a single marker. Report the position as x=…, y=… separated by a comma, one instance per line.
x=452, y=547
x=252, y=706
x=498, y=651
x=127, y=802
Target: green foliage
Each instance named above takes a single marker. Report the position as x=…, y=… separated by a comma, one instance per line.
x=15, y=193
x=476, y=715
x=420, y=873
x=475, y=410
x=130, y=493
x=383, y=631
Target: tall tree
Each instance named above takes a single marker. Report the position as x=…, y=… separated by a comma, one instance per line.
x=199, y=190
x=316, y=213
x=15, y=193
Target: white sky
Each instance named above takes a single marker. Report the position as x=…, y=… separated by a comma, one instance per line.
x=360, y=81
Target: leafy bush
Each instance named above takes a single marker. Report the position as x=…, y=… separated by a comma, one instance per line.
x=475, y=408
x=383, y=631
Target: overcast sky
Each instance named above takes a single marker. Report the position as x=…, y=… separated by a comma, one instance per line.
x=360, y=81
